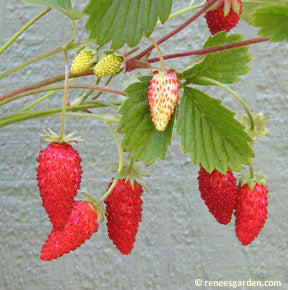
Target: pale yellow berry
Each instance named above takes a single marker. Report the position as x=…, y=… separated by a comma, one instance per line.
x=82, y=62
x=108, y=65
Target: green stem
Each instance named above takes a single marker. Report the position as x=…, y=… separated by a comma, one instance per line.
x=18, y=117
x=131, y=163
x=74, y=32
x=46, y=96
x=108, y=192
x=252, y=174
x=110, y=119
x=185, y=10
x=39, y=57
x=32, y=60
x=119, y=147
x=64, y=105
x=25, y=27
x=120, y=166
x=159, y=53
x=214, y=82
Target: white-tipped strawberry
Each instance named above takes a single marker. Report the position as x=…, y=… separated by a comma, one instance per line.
x=162, y=98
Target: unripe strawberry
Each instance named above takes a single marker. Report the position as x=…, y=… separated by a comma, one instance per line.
x=219, y=191
x=124, y=212
x=251, y=212
x=81, y=225
x=59, y=176
x=162, y=98
x=84, y=60
x=108, y=65
x=224, y=15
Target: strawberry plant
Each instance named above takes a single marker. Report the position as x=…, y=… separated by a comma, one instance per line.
x=156, y=102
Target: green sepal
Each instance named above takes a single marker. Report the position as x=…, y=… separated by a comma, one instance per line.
x=259, y=178
x=227, y=7
x=131, y=171
x=259, y=125
x=96, y=207
x=236, y=6
x=50, y=136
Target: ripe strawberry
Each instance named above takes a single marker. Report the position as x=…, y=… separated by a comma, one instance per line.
x=124, y=211
x=224, y=15
x=59, y=176
x=82, y=223
x=162, y=98
x=219, y=191
x=251, y=212
x=84, y=60
x=108, y=65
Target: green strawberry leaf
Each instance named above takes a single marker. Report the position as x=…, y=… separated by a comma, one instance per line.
x=224, y=66
x=273, y=21
x=62, y=4
x=124, y=21
x=140, y=135
x=249, y=6
x=211, y=134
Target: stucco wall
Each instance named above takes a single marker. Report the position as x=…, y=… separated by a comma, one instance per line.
x=178, y=240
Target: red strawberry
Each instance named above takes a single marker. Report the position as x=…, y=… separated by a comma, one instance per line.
x=251, y=212
x=224, y=15
x=124, y=211
x=219, y=191
x=59, y=176
x=162, y=98
x=82, y=223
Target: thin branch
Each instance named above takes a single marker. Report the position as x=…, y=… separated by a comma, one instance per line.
x=30, y=61
x=22, y=116
x=43, y=84
x=154, y=43
x=40, y=57
x=64, y=105
x=211, y=49
x=24, y=28
x=120, y=165
x=47, y=89
x=221, y=85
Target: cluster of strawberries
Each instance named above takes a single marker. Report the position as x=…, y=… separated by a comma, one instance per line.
x=73, y=222
x=59, y=170
x=249, y=200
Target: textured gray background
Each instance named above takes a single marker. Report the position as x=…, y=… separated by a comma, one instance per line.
x=178, y=240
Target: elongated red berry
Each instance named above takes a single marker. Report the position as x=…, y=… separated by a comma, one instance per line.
x=162, y=98
x=59, y=176
x=124, y=212
x=81, y=225
x=251, y=212
x=219, y=191
x=223, y=16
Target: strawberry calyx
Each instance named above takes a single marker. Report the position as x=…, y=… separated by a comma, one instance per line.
x=50, y=137
x=260, y=130
x=258, y=178
x=235, y=5
x=131, y=172
x=96, y=207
